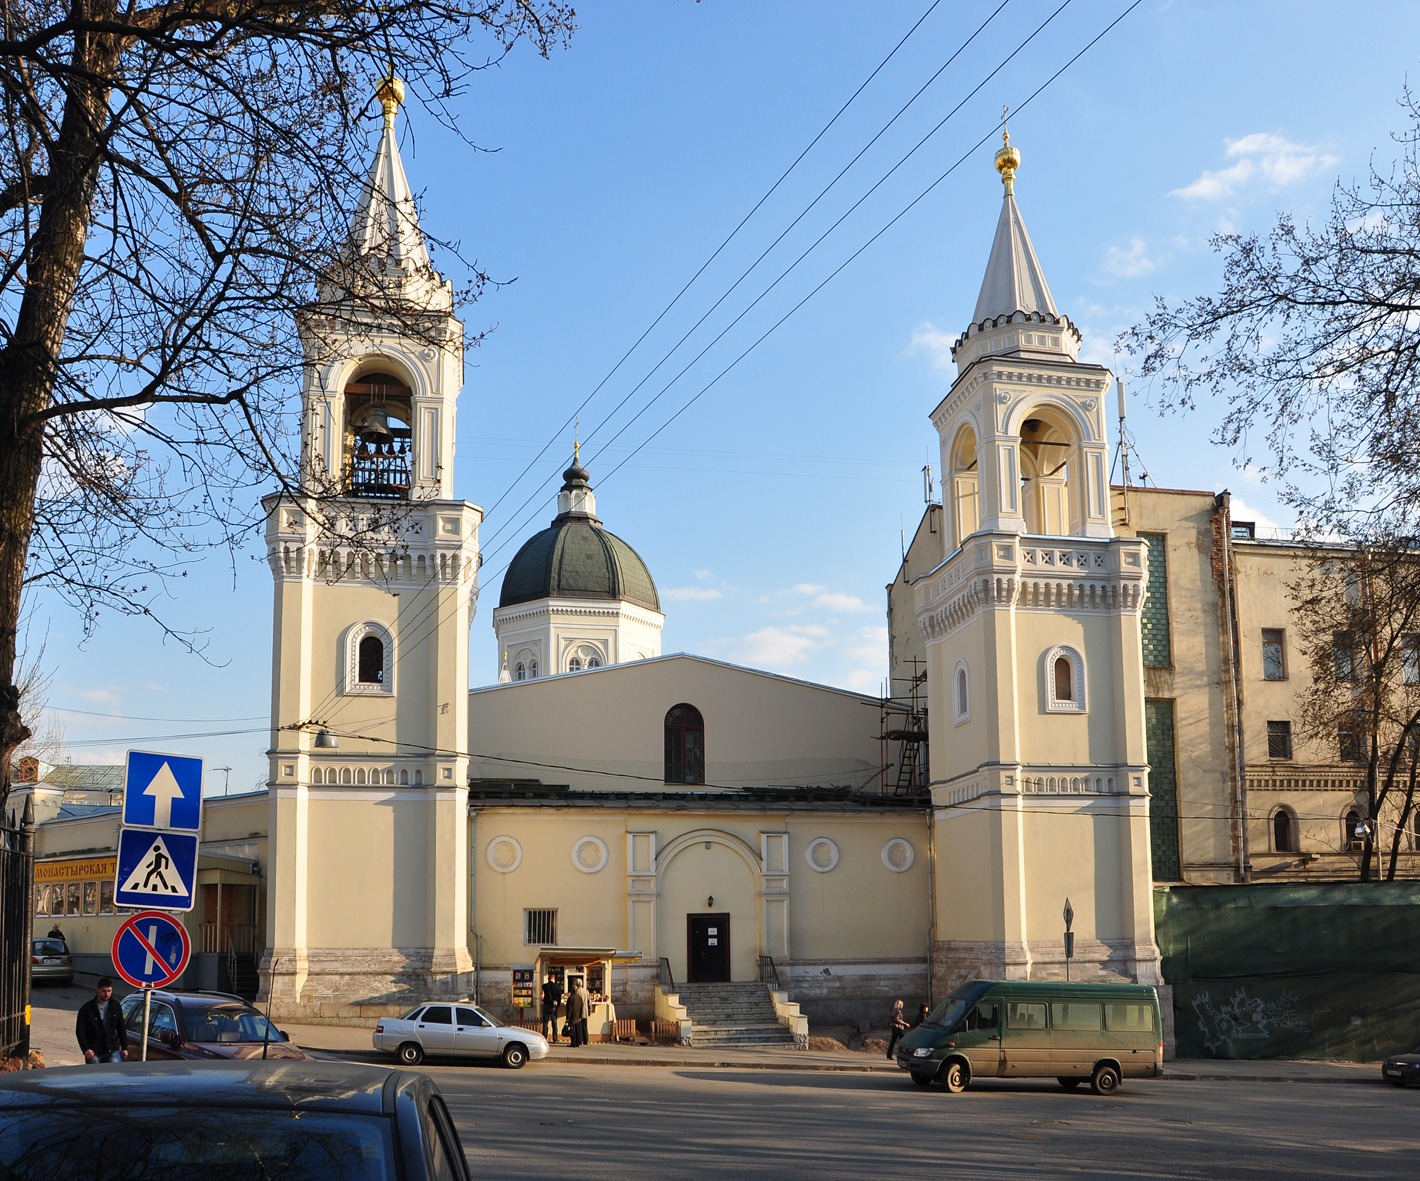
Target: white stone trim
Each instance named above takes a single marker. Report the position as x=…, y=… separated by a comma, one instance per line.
x=898, y=855
x=351, y=685
x=597, y=847
x=961, y=693
x=829, y=863
x=1076, y=661
x=498, y=846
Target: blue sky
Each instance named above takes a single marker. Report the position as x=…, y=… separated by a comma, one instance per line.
x=770, y=508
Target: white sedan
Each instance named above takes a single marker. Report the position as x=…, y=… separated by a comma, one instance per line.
x=456, y=1030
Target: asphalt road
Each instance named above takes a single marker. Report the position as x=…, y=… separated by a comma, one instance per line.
x=586, y=1122
x=611, y=1123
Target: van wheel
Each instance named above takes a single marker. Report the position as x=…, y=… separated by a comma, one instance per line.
x=1105, y=1080
x=411, y=1053
x=1069, y=1083
x=922, y=1080
x=954, y=1077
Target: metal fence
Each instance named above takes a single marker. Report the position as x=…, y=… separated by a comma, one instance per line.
x=16, y=923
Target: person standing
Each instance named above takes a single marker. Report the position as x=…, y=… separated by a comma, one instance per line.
x=576, y=1012
x=899, y=1026
x=56, y=933
x=551, y=999
x=586, y=1010
x=100, y=1028
x=922, y=1014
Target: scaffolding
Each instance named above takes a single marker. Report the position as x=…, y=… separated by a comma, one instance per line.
x=903, y=732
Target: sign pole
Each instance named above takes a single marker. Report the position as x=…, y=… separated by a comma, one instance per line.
x=147, y=1005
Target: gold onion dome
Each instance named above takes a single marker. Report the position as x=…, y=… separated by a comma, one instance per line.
x=1008, y=159
x=390, y=93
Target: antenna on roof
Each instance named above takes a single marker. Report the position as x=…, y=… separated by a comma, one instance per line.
x=927, y=489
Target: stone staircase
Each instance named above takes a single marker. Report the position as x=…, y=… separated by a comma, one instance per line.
x=733, y=1015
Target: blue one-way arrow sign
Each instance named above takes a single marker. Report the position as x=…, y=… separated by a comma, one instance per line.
x=163, y=791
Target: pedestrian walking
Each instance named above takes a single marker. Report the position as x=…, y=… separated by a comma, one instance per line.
x=899, y=1026
x=100, y=1028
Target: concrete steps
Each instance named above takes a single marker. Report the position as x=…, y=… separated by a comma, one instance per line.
x=733, y=1015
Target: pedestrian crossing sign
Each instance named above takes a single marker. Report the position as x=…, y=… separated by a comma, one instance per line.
x=156, y=870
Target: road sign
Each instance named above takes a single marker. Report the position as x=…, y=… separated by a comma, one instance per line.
x=151, y=949
x=156, y=869
x=163, y=791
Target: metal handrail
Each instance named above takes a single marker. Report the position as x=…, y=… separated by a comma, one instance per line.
x=768, y=971
x=663, y=973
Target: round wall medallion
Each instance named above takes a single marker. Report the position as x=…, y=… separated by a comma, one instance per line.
x=504, y=854
x=898, y=855
x=589, y=854
x=822, y=854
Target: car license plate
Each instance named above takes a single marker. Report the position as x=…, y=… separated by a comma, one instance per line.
x=1392, y=1070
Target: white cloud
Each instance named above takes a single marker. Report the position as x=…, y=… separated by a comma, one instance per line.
x=935, y=343
x=101, y=697
x=1129, y=262
x=834, y=601
x=1261, y=157
x=690, y=594
x=778, y=647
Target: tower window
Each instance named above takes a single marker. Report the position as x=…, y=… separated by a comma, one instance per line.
x=367, y=659
x=1064, y=680
x=371, y=661
x=961, y=694
x=378, y=436
x=685, y=745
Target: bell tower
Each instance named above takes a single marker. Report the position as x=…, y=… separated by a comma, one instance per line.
x=1034, y=655
x=375, y=566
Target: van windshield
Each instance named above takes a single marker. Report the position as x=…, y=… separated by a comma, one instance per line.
x=948, y=1013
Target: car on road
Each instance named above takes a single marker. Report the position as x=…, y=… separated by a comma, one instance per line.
x=50, y=961
x=1402, y=1069
x=456, y=1029
x=300, y=1121
x=203, y=1025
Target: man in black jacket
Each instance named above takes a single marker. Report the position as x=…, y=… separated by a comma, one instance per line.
x=102, y=1034
x=551, y=998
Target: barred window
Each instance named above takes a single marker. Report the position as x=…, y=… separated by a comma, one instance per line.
x=540, y=926
x=1279, y=740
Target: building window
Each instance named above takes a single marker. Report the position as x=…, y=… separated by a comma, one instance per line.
x=520, y=671
x=368, y=659
x=1274, y=654
x=371, y=661
x=1284, y=831
x=961, y=694
x=1348, y=742
x=574, y=665
x=1163, y=790
x=532, y=670
x=1154, y=618
x=540, y=927
x=685, y=745
x=1343, y=653
x=1410, y=659
x=1415, y=830
x=1349, y=831
x=1065, y=681
x=1279, y=740
x=594, y=662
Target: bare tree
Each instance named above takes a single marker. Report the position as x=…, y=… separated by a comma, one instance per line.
x=1357, y=613
x=174, y=179
x=1310, y=341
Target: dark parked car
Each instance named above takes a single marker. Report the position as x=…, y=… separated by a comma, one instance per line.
x=1402, y=1069
x=203, y=1025
x=237, y=1121
x=50, y=961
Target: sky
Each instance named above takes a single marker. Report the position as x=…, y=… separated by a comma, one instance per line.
x=768, y=468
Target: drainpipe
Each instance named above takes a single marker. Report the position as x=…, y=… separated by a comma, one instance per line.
x=1233, y=680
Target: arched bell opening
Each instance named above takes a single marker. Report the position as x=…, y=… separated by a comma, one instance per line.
x=1048, y=454
x=965, y=487
x=378, y=436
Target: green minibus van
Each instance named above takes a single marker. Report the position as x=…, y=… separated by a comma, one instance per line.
x=1016, y=1029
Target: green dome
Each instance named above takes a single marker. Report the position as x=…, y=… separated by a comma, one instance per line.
x=575, y=558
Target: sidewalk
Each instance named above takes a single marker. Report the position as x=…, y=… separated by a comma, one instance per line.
x=354, y=1043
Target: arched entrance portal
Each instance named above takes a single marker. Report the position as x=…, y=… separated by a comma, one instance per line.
x=709, y=890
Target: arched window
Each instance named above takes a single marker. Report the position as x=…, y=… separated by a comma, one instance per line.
x=1350, y=827
x=574, y=665
x=961, y=694
x=594, y=662
x=685, y=745
x=371, y=661
x=532, y=670
x=367, y=659
x=1284, y=831
x=1064, y=673
x=520, y=672
x=378, y=436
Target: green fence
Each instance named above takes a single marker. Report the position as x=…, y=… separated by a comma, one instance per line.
x=1284, y=971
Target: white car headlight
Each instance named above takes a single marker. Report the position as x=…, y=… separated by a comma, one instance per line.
x=922, y=1052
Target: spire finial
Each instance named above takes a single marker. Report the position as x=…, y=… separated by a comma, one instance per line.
x=1008, y=159
x=390, y=93
x=577, y=440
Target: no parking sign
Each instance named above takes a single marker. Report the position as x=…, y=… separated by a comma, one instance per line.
x=151, y=949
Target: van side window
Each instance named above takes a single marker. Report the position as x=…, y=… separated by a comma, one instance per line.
x=983, y=1015
x=1075, y=1015
x=1025, y=1015
x=1128, y=1017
